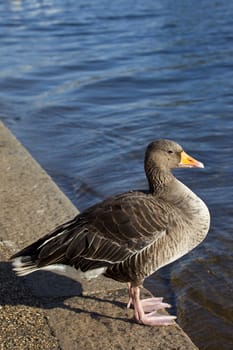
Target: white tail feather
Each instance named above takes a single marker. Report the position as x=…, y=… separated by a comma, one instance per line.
x=21, y=268
x=25, y=268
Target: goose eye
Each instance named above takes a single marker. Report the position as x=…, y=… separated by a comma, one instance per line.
x=170, y=151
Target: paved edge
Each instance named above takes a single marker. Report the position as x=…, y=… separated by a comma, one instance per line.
x=36, y=310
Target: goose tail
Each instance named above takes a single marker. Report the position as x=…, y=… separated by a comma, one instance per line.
x=24, y=265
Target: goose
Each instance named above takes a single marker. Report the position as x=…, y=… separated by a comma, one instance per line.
x=129, y=236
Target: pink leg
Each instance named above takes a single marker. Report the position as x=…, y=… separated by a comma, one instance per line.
x=149, y=304
x=142, y=306
x=130, y=296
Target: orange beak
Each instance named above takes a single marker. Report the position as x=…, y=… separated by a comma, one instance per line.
x=189, y=162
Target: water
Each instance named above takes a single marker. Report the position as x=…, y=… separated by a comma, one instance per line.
x=85, y=85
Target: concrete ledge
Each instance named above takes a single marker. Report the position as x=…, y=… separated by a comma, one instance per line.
x=45, y=311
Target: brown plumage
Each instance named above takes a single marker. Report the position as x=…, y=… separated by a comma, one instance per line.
x=129, y=236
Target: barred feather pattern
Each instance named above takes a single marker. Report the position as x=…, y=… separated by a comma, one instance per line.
x=102, y=236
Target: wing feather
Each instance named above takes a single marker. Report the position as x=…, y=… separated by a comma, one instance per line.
x=119, y=228
x=105, y=234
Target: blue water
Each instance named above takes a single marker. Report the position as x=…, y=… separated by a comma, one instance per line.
x=86, y=85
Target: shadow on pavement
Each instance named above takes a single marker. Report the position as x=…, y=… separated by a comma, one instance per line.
x=48, y=291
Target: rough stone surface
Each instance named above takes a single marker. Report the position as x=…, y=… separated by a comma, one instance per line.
x=45, y=311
